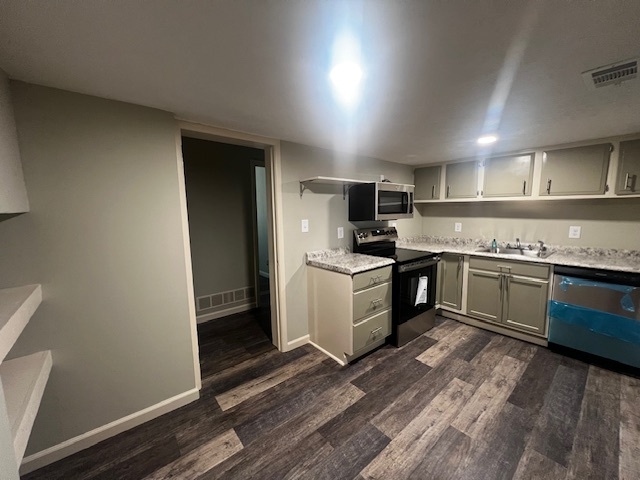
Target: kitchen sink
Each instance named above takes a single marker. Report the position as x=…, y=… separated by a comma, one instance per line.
x=518, y=251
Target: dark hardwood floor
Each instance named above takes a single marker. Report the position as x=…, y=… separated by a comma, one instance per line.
x=456, y=403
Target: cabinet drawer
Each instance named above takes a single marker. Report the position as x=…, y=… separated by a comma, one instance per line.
x=372, y=277
x=506, y=266
x=372, y=300
x=371, y=330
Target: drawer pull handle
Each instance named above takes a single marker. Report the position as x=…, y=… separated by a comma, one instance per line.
x=504, y=266
x=375, y=331
x=375, y=302
x=376, y=279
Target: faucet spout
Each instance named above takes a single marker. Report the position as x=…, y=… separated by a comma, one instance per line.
x=518, y=243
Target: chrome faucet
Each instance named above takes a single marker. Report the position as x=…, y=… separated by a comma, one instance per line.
x=518, y=246
x=542, y=248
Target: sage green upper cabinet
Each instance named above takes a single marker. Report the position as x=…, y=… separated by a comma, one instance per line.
x=427, y=182
x=461, y=180
x=508, y=176
x=575, y=171
x=629, y=168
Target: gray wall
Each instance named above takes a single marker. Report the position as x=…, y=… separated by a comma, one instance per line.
x=261, y=220
x=605, y=223
x=104, y=238
x=219, y=200
x=13, y=195
x=326, y=210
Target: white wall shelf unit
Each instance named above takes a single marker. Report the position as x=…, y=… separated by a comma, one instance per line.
x=23, y=381
x=16, y=308
x=346, y=183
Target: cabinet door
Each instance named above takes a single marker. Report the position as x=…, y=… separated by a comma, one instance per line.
x=427, y=181
x=525, y=304
x=484, y=298
x=508, y=176
x=451, y=281
x=575, y=171
x=629, y=168
x=462, y=180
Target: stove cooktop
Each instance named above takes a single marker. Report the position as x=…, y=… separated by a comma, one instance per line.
x=403, y=255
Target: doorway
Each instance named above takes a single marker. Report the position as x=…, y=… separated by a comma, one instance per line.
x=229, y=224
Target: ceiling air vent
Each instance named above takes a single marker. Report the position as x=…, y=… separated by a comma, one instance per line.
x=613, y=74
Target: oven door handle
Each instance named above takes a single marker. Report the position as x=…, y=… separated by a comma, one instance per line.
x=418, y=265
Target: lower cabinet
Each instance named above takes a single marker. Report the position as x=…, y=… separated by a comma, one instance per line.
x=349, y=315
x=513, y=294
x=450, y=281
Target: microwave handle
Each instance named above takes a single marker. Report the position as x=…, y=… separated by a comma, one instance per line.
x=410, y=202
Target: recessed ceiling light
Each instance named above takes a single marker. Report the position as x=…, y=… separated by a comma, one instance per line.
x=487, y=139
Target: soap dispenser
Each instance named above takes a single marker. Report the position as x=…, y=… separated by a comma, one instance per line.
x=494, y=246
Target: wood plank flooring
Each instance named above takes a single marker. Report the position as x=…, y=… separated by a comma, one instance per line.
x=456, y=403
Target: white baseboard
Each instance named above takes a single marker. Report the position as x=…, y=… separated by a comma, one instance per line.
x=341, y=362
x=298, y=342
x=223, y=313
x=88, y=439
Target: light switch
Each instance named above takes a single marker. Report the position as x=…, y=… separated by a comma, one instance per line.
x=305, y=225
x=575, y=231
x=457, y=227
x=340, y=232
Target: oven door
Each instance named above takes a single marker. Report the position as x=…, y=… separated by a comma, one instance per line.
x=412, y=297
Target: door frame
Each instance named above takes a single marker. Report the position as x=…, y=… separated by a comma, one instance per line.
x=254, y=214
x=272, y=163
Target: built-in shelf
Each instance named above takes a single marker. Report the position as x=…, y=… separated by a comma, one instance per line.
x=346, y=183
x=23, y=381
x=16, y=308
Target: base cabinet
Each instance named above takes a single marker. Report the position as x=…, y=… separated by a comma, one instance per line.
x=450, y=281
x=513, y=294
x=349, y=315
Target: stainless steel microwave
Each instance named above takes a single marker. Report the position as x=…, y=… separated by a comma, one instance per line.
x=380, y=201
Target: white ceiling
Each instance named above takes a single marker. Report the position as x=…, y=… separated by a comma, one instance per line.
x=261, y=66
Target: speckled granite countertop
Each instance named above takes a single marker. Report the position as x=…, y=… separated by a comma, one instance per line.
x=606, y=259
x=341, y=260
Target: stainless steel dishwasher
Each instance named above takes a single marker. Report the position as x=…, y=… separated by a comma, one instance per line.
x=597, y=312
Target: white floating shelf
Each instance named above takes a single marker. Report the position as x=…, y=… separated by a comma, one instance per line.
x=23, y=381
x=16, y=308
x=344, y=182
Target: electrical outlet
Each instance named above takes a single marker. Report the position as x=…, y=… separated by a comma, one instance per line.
x=575, y=231
x=305, y=225
x=457, y=227
x=340, y=232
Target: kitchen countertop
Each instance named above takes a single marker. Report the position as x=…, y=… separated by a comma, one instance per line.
x=341, y=260
x=588, y=257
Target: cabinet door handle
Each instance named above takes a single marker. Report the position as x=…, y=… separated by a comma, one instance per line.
x=524, y=187
x=375, y=330
x=448, y=190
x=459, y=264
x=627, y=177
x=506, y=284
x=433, y=191
x=549, y=186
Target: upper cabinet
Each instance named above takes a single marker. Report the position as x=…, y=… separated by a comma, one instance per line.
x=508, y=176
x=13, y=193
x=461, y=180
x=628, y=168
x=575, y=171
x=427, y=182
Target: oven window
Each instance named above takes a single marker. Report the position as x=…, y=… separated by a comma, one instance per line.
x=392, y=202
